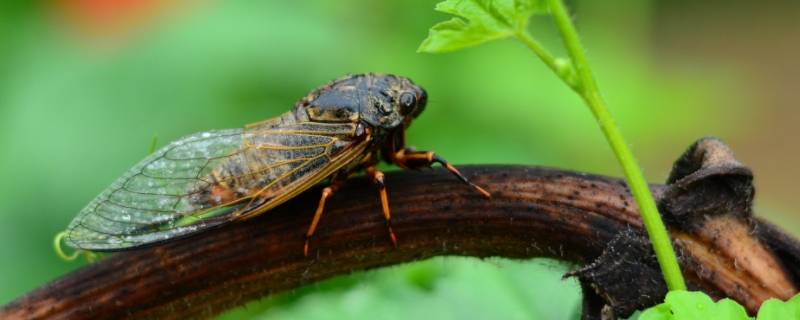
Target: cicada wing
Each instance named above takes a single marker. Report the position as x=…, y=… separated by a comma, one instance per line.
x=167, y=194
x=144, y=205
x=323, y=148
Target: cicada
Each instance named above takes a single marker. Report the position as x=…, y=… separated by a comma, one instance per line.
x=210, y=178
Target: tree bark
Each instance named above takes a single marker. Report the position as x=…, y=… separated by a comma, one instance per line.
x=534, y=212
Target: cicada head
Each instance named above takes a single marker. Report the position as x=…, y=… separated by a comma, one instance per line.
x=382, y=100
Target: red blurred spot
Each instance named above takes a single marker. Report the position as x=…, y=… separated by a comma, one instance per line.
x=106, y=18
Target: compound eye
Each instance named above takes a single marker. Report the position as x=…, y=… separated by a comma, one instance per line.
x=407, y=101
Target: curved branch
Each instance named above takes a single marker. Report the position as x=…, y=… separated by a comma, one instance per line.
x=534, y=212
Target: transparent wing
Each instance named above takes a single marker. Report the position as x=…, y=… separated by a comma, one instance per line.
x=169, y=193
x=153, y=193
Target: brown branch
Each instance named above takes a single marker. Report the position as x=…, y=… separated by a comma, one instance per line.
x=534, y=212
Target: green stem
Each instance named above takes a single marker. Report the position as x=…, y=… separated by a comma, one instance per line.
x=633, y=174
x=562, y=68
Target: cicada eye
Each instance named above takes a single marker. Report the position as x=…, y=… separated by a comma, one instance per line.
x=407, y=101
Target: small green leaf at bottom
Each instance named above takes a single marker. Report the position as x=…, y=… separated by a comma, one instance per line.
x=774, y=309
x=688, y=305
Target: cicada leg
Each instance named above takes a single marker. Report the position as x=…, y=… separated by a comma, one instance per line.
x=327, y=192
x=377, y=179
x=409, y=158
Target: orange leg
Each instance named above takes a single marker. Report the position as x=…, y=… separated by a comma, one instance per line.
x=377, y=179
x=326, y=193
x=408, y=158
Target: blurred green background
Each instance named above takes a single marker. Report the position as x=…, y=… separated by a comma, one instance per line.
x=85, y=84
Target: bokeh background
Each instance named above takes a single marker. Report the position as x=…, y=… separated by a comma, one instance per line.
x=86, y=84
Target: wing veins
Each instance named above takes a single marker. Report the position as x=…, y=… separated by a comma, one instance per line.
x=108, y=201
x=122, y=222
x=257, y=200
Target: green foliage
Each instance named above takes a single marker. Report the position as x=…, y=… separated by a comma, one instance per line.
x=688, y=305
x=774, y=309
x=486, y=20
x=443, y=288
x=491, y=20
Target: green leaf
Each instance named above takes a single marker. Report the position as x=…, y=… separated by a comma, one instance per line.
x=686, y=305
x=730, y=309
x=479, y=21
x=774, y=309
x=657, y=312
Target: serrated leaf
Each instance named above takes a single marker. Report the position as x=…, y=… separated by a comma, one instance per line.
x=478, y=21
x=774, y=309
x=686, y=305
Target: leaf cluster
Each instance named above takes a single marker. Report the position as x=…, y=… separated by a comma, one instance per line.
x=692, y=305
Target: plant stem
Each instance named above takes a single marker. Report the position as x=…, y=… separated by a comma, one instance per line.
x=563, y=70
x=587, y=89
